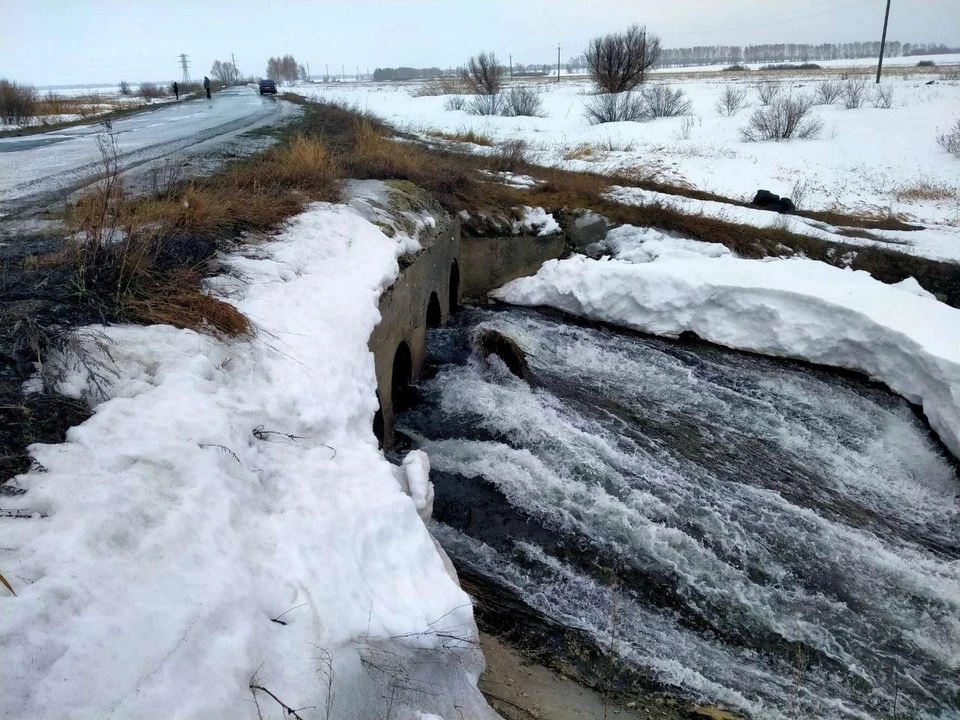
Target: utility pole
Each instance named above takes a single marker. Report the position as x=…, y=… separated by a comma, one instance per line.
x=883, y=42
x=343, y=74
x=326, y=77
x=558, y=63
x=358, y=73
x=185, y=65
x=235, y=74
x=511, y=66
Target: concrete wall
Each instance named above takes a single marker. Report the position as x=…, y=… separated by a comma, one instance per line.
x=482, y=264
x=488, y=263
x=404, y=311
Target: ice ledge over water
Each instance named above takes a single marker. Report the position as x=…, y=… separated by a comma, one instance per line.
x=794, y=308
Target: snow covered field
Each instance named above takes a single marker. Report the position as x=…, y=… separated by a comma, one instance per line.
x=866, y=160
x=226, y=519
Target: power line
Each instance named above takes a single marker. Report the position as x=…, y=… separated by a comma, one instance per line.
x=185, y=65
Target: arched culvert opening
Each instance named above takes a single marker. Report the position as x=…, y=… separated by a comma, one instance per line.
x=434, y=313
x=378, y=425
x=454, y=287
x=400, y=387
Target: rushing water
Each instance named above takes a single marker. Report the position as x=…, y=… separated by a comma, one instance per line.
x=769, y=536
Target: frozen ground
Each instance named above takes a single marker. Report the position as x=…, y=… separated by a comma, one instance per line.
x=865, y=160
x=226, y=519
x=793, y=308
x=46, y=166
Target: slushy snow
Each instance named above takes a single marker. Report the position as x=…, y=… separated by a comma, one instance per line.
x=225, y=519
x=794, y=308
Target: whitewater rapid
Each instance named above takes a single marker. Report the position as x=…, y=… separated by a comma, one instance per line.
x=783, y=540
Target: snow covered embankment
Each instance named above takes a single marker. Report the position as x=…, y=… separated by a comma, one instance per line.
x=226, y=520
x=793, y=308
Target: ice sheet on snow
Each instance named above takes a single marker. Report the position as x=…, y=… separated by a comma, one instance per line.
x=225, y=484
x=790, y=308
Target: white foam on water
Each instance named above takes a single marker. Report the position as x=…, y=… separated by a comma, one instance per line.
x=741, y=552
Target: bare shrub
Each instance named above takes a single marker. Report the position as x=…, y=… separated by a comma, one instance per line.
x=510, y=156
x=455, y=102
x=483, y=75
x=855, y=92
x=686, y=128
x=124, y=88
x=55, y=104
x=486, y=105
x=767, y=91
x=523, y=101
x=736, y=68
x=615, y=107
x=664, y=101
x=439, y=86
x=150, y=91
x=618, y=62
x=949, y=140
x=731, y=100
x=883, y=97
x=828, y=92
x=786, y=118
x=799, y=193
x=18, y=103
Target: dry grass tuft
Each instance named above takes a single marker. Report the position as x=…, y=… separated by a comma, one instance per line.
x=926, y=191
x=376, y=155
x=176, y=299
x=466, y=135
x=583, y=151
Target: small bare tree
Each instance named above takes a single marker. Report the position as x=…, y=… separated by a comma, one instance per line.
x=523, y=101
x=619, y=62
x=615, y=107
x=786, y=118
x=664, y=101
x=949, y=140
x=855, y=92
x=225, y=72
x=731, y=100
x=483, y=74
x=767, y=91
x=828, y=92
x=883, y=97
x=18, y=103
x=124, y=88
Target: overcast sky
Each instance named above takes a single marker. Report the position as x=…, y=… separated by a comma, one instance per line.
x=49, y=42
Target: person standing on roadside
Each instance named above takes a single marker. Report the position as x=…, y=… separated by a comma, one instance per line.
x=206, y=85
x=176, y=89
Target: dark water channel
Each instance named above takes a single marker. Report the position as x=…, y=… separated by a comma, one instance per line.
x=760, y=534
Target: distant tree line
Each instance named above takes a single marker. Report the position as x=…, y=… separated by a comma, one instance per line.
x=286, y=69
x=790, y=53
x=778, y=53
x=406, y=73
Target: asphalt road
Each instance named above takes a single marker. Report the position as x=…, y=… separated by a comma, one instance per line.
x=38, y=169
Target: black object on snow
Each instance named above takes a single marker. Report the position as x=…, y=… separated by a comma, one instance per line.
x=766, y=200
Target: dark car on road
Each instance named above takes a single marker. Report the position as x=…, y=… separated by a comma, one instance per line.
x=268, y=86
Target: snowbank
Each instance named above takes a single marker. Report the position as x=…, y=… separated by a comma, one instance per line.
x=790, y=308
x=225, y=519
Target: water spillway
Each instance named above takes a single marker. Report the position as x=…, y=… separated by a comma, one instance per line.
x=768, y=536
